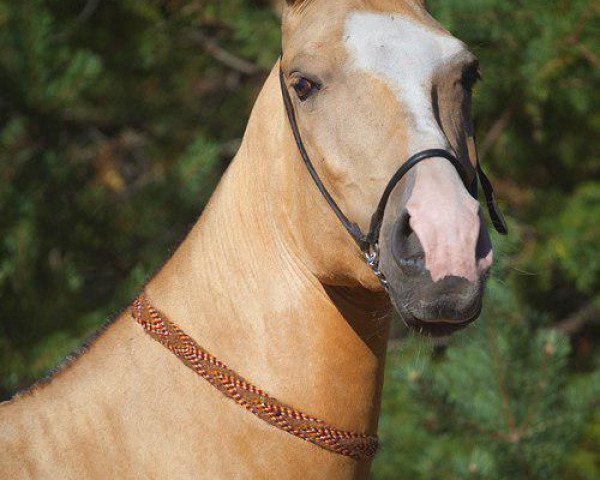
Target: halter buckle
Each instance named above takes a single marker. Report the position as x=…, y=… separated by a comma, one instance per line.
x=372, y=257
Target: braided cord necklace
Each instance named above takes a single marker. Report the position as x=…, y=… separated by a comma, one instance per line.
x=358, y=446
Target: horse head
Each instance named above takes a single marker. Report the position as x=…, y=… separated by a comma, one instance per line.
x=371, y=83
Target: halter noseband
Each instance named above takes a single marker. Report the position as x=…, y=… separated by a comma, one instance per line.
x=369, y=243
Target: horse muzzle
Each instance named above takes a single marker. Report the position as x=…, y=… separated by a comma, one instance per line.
x=435, y=308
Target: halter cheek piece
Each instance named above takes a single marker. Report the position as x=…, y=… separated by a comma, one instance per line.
x=369, y=243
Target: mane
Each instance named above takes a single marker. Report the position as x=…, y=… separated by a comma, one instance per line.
x=78, y=352
x=66, y=363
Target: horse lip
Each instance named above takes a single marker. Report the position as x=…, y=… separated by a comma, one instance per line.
x=438, y=328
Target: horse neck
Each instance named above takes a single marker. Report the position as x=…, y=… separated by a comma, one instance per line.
x=243, y=285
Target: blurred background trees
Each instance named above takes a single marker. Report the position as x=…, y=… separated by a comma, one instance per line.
x=118, y=118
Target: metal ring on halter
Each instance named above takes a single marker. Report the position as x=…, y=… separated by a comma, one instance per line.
x=372, y=257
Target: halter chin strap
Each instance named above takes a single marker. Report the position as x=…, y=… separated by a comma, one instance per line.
x=369, y=243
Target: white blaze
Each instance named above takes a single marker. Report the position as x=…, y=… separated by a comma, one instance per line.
x=406, y=55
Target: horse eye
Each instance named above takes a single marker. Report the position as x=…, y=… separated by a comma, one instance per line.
x=305, y=88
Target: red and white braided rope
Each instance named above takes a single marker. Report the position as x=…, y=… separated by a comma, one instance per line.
x=356, y=445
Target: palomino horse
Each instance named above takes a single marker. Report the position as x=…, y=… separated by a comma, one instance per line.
x=270, y=282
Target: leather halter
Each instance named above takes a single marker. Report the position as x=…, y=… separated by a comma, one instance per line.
x=369, y=242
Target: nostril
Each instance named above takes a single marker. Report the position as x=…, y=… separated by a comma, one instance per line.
x=403, y=230
x=406, y=247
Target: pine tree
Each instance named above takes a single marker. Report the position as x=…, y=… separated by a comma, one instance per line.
x=498, y=404
x=117, y=119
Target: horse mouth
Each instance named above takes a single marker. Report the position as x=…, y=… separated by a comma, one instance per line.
x=439, y=328
x=436, y=330
x=445, y=315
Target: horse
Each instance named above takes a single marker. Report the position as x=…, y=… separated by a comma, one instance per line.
x=276, y=280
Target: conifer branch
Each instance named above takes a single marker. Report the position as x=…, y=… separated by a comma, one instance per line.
x=590, y=56
x=87, y=11
x=212, y=47
x=574, y=323
x=536, y=403
x=497, y=368
x=498, y=128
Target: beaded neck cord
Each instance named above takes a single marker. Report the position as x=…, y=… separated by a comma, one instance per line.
x=358, y=446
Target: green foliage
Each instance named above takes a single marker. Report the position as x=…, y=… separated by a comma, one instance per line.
x=500, y=404
x=584, y=463
x=573, y=239
x=113, y=133
x=117, y=119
